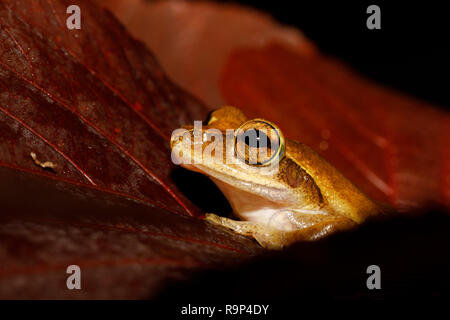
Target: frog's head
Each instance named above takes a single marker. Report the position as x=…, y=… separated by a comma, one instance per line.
x=254, y=174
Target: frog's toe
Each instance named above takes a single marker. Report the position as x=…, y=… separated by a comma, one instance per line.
x=271, y=241
x=214, y=218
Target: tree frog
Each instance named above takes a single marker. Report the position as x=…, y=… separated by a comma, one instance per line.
x=288, y=193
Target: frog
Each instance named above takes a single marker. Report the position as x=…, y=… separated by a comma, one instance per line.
x=299, y=196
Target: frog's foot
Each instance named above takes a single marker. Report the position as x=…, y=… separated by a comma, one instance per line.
x=267, y=237
x=245, y=228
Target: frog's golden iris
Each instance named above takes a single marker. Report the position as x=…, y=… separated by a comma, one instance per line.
x=259, y=142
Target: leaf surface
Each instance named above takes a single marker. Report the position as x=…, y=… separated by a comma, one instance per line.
x=93, y=101
x=96, y=104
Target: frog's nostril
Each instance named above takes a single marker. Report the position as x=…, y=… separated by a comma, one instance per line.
x=175, y=138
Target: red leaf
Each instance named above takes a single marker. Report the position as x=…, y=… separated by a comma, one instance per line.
x=125, y=249
x=95, y=103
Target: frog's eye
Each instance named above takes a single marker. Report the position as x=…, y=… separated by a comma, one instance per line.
x=259, y=142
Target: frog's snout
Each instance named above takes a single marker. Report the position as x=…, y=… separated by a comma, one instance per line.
x=189, y=130
x=177, y=135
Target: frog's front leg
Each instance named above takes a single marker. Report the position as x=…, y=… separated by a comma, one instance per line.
x=245, y=228
x=268, y=237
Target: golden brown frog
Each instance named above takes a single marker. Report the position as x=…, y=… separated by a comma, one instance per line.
x=283, y=194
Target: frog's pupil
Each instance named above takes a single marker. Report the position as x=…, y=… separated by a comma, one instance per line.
x=254, y=146
x=247, y=140
x=260, y=139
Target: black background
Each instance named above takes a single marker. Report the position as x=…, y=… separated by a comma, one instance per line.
x=410, y=52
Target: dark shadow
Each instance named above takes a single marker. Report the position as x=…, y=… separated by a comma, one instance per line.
x=201, y=191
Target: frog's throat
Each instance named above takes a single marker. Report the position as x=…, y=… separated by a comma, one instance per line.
x=277, y=196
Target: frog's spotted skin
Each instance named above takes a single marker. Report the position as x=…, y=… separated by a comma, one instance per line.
x=306, y=198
